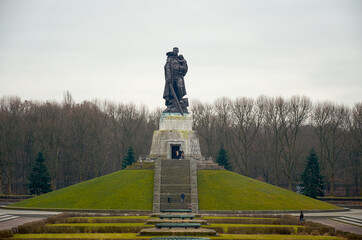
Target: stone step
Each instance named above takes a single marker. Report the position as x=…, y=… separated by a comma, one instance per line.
x=175, y=188
x=174, y=181
x=171, y=205
x=174, y=165
x=177, y=232
x=175, y=171
x=175, y=161
x=154, y=221
x=171, y=174
x=179, y=180
x=175, y=199
x=175, y=178
x=174, y=192
x=349, y=220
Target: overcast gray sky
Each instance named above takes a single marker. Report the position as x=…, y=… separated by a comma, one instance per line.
x=115, y=50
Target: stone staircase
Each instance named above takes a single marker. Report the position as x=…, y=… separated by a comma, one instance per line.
x=172, y=177
x=175, y=179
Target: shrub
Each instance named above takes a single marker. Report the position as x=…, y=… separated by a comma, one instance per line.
x=275, y=221
x=92, y=229
x=32, y=227
x=354, y=236
x=316, y=230
x=260, y=230
x=6, y=234
x=217, y=229
x=60, y=218
x=104, y=220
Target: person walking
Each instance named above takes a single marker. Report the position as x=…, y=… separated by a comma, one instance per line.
x=168, y=198
x=301, y=217
x=182, y=197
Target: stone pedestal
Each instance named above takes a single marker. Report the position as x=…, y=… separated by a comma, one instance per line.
x=175, y=130
x=173, y=176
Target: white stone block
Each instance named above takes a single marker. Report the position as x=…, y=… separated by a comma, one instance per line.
x=175, y=121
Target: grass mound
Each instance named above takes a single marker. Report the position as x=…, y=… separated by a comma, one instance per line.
x=125, y=189
x=224, y=190
x=133, y=190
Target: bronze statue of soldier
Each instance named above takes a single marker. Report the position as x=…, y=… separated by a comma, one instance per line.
x=175, y=71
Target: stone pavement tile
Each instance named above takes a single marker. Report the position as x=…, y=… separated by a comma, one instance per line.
x=339, y=225
x=349, y=220
x=6, y=217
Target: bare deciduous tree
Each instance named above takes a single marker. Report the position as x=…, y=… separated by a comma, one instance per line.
x=247, y=115
x=298, y=109
x=204, y=118
x=330, y=122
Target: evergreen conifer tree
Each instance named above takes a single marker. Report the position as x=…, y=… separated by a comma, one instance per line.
x=128, y=159
x=39, y=178
x=223, y=159
x=312, y=180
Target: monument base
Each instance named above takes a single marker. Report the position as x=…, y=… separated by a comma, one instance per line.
x=175, y=134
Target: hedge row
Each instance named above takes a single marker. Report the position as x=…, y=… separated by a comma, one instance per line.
x=275, y=221
x=105, y=220
x=254, y=230
x=81, y=229
x=6, y=234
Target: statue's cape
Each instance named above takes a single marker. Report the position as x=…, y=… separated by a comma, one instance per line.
x=167, y=91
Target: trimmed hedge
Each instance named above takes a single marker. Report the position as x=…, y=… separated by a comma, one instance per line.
x=32, y=227
x=217, y=229
x=256, y=219
x=253, y=230
x=82, y=229
x=41, y=227
x=6, y=234
x=105, y=220
x=276, y=221
x=316, y=230
x=261, y=230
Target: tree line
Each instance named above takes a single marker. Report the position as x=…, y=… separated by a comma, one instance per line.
x=80, y=141
x=270, y=138
x=265, y=138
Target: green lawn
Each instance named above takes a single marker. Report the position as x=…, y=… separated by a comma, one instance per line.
x=225, y=190
x=125, y=189
x=133, y=190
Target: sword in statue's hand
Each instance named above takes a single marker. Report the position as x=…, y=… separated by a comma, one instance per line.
x=175, y=98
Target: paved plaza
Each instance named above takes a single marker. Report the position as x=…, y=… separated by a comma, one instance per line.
x=13, y=218
x=346, y=221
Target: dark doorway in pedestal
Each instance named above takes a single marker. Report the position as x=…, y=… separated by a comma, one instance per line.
x=174, y=148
